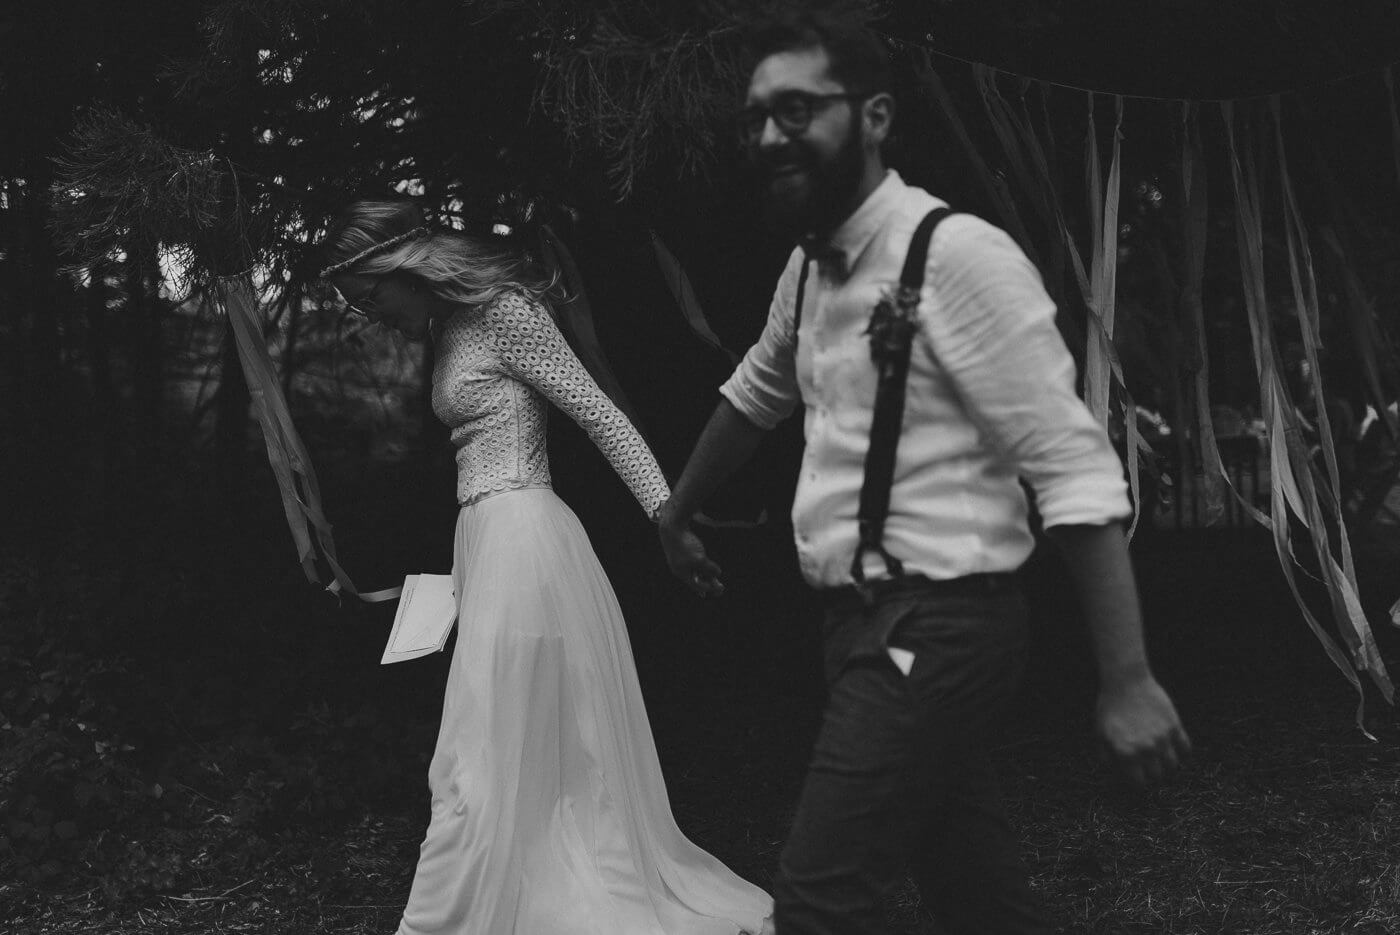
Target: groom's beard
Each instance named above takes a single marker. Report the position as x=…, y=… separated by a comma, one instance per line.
x=804, y=194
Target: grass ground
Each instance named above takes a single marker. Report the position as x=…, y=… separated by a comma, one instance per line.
x=280, y=771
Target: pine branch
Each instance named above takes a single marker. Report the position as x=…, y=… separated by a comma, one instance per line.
x=121, y=185
x=652, y=85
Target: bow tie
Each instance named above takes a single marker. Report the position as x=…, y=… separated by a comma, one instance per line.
x=823, y=251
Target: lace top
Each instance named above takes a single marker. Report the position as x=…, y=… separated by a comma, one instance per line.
x=497, y=366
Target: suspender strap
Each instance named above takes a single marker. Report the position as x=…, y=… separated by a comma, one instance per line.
x=892, y=329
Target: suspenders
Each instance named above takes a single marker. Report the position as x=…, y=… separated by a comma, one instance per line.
x=892, y=328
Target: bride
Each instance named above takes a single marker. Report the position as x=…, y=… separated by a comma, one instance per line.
x=549, y=812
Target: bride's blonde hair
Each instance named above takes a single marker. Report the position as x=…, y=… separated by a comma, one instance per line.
x=454, y=266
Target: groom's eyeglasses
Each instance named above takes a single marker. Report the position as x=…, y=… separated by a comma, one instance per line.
x=791, y=112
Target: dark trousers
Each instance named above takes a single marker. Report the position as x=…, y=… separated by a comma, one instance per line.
x=900, y=778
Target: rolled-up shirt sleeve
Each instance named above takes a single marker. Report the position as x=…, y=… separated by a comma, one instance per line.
x=991, y=327
x=764, y=385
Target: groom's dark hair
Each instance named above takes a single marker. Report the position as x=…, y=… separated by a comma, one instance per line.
x=858, y=56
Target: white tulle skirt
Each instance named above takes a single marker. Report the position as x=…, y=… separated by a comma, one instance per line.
x=549, y=812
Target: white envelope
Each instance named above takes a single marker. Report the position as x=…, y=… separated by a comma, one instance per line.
x=427, y=611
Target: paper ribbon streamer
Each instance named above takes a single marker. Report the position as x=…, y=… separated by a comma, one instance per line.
x=1103, y=265
x=291, y=465
x=1048, y=169
x=577, y=323
x=1304, y=283
x=1292, y=488
x=1103, y=223
x=577, y=319
x=996, y=189
x=1196, y=214
x=1343, y=586
x=679, y=284
x=1366, y=334
x=1021, y=143
x=1004, y=126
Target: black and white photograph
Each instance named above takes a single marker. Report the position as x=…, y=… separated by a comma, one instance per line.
x=699, y=467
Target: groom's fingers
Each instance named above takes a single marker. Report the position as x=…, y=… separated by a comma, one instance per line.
x=706, y=585
x=712, y=588
x=705, y=578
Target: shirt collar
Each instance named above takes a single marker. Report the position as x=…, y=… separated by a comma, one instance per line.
x=849, y=240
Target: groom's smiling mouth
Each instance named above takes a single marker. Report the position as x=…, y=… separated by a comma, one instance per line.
x=787, y=174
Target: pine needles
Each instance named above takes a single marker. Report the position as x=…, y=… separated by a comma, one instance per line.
x=652, y=86
x=640, y=101
x=120, y=185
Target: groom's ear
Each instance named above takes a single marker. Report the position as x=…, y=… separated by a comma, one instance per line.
x=877, y=117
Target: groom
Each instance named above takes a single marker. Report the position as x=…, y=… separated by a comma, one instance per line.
x=922, y=657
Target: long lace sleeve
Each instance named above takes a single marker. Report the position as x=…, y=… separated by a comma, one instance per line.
x=532, y=350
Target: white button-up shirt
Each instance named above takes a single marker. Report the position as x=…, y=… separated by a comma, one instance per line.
x=990, y=397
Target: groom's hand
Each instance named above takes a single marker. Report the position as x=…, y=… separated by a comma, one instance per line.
x=686, y=556
x=1141, y=729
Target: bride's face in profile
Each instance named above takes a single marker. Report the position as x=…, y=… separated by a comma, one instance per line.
x=393, y=300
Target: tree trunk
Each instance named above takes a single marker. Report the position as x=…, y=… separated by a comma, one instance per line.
x=105, y=399
x=147, y=351
x=99, y=350
x=42, y=386
x=45, y=475
x=15, y=306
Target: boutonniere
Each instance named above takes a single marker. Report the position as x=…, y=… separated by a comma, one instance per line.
x=893, y=323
